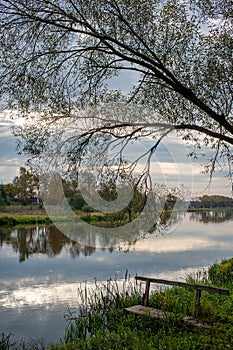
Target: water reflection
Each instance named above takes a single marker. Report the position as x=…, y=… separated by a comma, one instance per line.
x=34, y=295
x=211, y=216
x=27, y=241
x=48, y=240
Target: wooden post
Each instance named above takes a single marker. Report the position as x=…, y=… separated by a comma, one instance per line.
x=145, y=298
x=197, y=303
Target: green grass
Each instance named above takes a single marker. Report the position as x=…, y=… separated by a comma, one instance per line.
x=102, y=323
x=23, y=215
x=27, y=215
x=20, y=218
x=23, y=219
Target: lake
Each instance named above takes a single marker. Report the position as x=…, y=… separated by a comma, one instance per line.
x=40, y=268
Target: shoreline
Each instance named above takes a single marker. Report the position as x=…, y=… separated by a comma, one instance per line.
x=11, y=216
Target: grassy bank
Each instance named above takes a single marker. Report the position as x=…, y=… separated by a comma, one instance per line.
x=23, y=215
x=35, y=215
x=102, y=323
x=14, y=220
x=27, y=215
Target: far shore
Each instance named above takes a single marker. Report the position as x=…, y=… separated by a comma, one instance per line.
x=14, y=215
x=23, y=215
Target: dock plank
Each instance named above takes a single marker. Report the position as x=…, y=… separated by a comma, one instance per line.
x=146, y=310
x=160, y=314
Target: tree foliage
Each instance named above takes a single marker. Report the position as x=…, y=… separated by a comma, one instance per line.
x=215, y=201
x=57, y=57
x=26, y=186
x=3, y=197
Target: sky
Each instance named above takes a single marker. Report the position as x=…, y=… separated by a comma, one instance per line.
x=10, y=161
x=170, y=165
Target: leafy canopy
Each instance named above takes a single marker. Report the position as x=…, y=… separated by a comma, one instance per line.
x=57, y=57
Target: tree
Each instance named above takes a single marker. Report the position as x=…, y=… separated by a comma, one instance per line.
x=2, y=196
x=215, y=201
x=26, y=185
x=57, y=57
x=77, y=201
x=108, y=191
x=10, y=191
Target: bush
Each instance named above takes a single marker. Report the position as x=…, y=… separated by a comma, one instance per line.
x=2, y=202
x=87, y=209
x=77, y=202
x=222, y=274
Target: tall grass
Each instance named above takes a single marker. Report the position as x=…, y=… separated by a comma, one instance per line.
x=8, y=342
x=101, y=305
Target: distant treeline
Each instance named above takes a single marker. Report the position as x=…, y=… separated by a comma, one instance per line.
x=214, y=201
x=25, y=190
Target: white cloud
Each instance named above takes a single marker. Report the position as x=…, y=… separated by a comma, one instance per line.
x=178, y=244
x=40, y=295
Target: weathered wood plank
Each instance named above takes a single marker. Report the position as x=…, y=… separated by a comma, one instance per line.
x=153, y=313
x=196, y=323
x=183, y=284
x=145, y=310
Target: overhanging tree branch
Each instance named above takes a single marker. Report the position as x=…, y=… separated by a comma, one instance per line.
x=66, y=51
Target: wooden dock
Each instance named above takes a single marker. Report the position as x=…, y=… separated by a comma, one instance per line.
x=159, y=314
x=153, y=313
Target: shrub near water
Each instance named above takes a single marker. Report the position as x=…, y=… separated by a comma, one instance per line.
x=222, y=274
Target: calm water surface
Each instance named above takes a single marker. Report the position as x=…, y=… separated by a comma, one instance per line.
x=40, y=268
